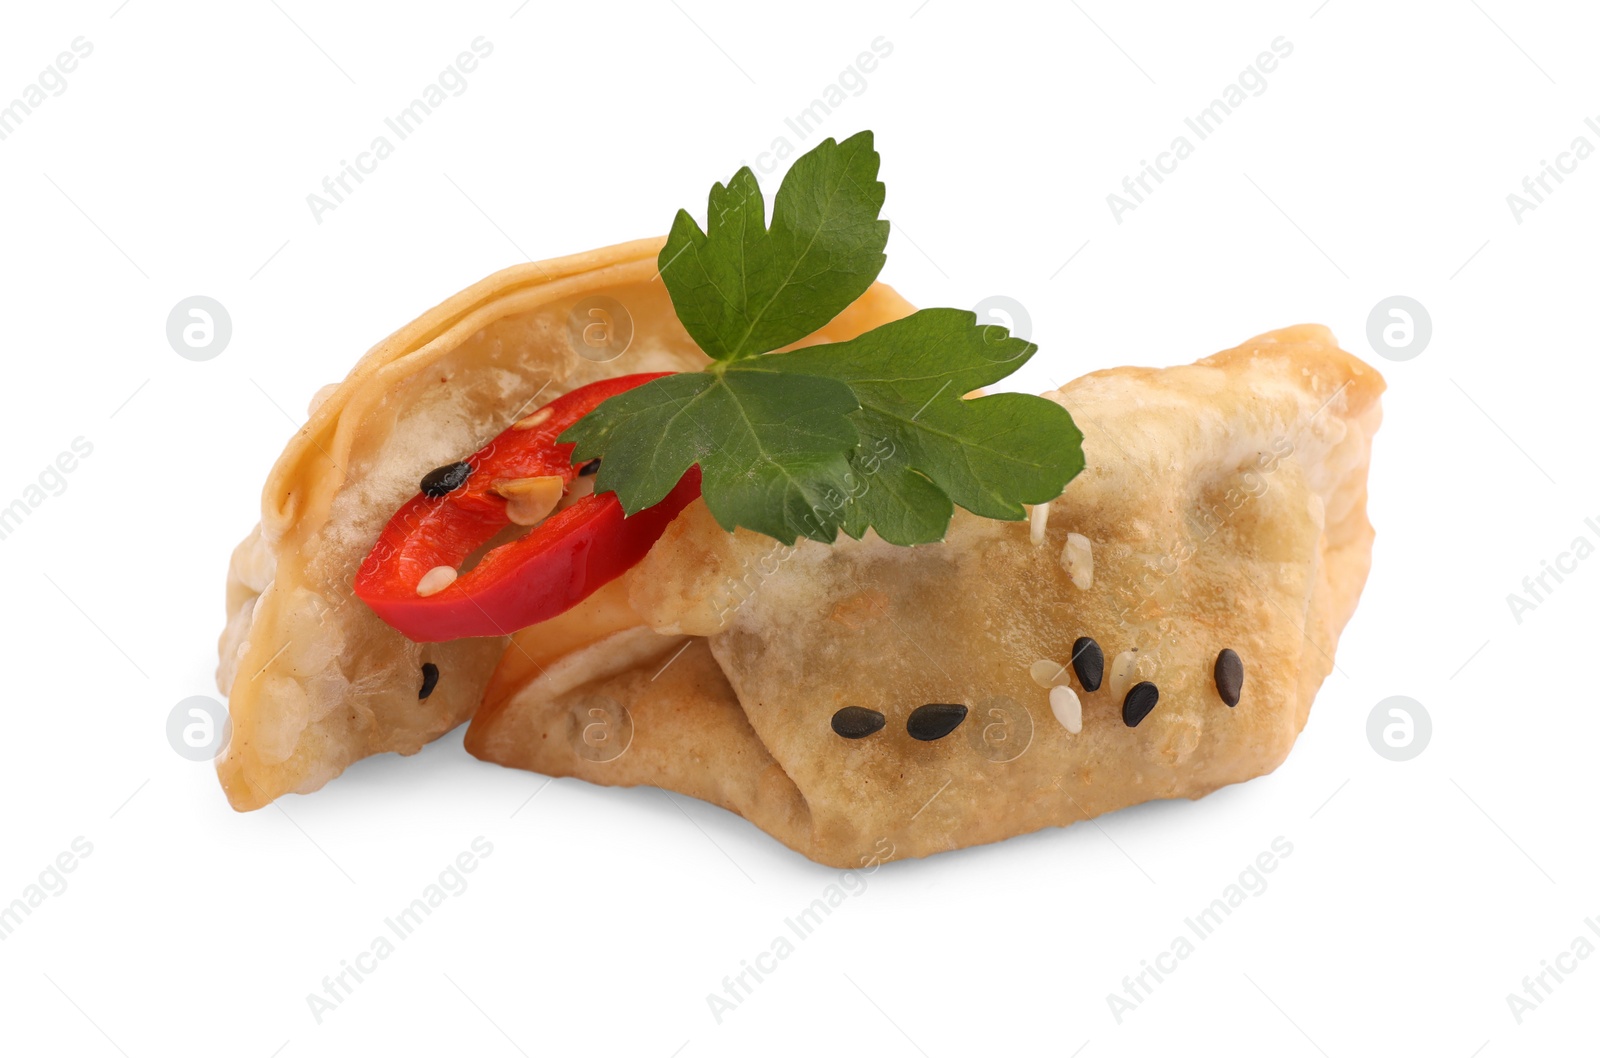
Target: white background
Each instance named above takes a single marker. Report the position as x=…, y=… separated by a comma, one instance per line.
x=1376, y=162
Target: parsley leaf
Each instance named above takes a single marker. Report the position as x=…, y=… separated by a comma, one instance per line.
x=873, y=433
x=923, y=446
x=741, y=289
x=904, y=507
x=772, y=446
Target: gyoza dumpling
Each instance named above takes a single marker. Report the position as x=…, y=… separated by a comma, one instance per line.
x=863, y=701
x=315, y=680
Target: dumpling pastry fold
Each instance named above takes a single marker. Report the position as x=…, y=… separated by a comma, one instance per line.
x=1223, y=509
x=315, y=680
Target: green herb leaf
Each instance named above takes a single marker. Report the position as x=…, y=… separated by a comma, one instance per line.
x=990, y=454
x=741, y=289
x=904, y=507
x=872, y=433
x=773, y=447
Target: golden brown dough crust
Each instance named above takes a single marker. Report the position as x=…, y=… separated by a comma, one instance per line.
x=315, y=680
x=1225, y=506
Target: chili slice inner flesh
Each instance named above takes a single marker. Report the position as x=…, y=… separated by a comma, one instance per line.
x=554, y=566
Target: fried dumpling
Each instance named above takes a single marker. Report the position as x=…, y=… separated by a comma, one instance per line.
x=1159, y=631
x=315, y=680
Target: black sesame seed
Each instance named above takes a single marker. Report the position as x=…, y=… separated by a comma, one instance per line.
x=1229, y=674
x=854, y=721
x=934, y=720
x=1137, y=705
x=430, y=679
x=445, y=479
x=591, y=467
x=1089, y=662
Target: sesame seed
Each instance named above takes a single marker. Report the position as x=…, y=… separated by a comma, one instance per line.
x=436, y=580
x=1047, y=673
x=445, y=479
x=1077, y=558
x=1123, y=669
x=529, y=422
x=855, y=721
x=1229, y=674
x=1067, y=709
x=1038, y=520
x=1089, y=662
x=430, y=679
x=1137, y=705
x=934, y=720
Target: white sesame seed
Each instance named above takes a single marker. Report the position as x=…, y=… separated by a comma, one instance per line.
x=1068, y=710
x=436, y=580
x=1123, y=668
x=1047, y=673
x=1077, y=558
x=529, y=422
x=1038, y=519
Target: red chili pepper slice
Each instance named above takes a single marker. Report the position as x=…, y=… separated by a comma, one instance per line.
x=555, y=566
